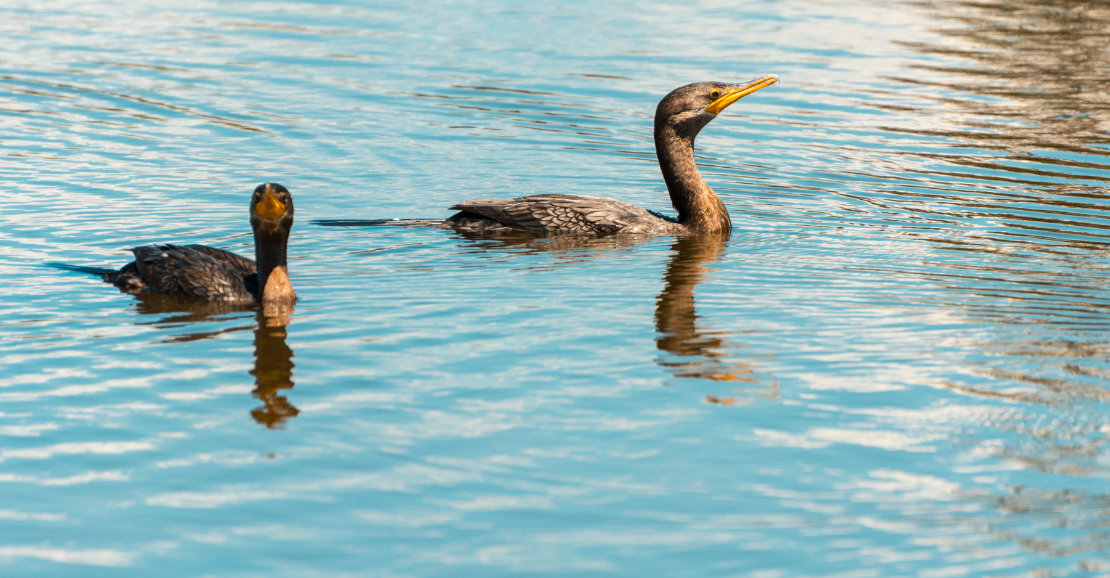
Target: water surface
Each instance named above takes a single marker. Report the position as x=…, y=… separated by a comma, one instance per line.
x=896, y=365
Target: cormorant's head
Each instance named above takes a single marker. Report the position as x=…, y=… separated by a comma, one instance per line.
x=271, y=208
x=691, y=107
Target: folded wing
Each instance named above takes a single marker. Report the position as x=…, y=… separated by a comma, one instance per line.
x=190, y=271
x=564, y=215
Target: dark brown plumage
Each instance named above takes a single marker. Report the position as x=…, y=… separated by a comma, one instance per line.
x=678, y=119
x=208, y=274
x=562, y=214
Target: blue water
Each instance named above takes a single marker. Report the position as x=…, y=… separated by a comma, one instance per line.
x=896, y=366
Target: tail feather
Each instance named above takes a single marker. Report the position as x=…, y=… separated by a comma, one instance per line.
x=380, y=223
x=98, y=271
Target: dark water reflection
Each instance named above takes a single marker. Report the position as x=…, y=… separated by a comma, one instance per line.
x=566, y=249
x=273, y=358
x=701, y=353
x=1025, y=91
x=1037, y=70
x=273, y=369
x=695, y=351
x=171, y=312
x=1027, y=80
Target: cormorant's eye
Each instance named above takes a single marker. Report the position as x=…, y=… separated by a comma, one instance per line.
x=715, y=94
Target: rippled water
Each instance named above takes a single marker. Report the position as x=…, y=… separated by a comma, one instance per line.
x=895, y=366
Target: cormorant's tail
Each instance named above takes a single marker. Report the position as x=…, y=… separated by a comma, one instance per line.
x=127, y=279
x=98, y=271
x=437, y=223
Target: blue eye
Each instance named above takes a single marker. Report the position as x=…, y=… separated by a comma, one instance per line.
x=715, y=94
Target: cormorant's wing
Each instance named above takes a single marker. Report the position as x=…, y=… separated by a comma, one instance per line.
x=564, y=214
x=193, y=271
x=241, y=264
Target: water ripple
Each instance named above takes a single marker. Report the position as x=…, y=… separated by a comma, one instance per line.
x=895, y=365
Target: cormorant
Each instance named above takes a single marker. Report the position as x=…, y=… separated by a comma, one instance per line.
x=204, y=273
x=678, y=119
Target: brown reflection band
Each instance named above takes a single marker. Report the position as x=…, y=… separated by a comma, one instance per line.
x=273, y=370
x=701, y=354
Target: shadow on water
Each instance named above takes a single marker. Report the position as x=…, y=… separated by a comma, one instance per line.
x=273, y=358
x=696, y=352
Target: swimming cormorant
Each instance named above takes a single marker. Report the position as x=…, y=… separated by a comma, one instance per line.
x=205, y=273
x=678, y=119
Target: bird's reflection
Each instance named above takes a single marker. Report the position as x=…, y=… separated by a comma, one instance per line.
x=173, y=312
x=568, y=250
x=273, y=358
x=273, y=369
x=697, y=352
x=692, y=351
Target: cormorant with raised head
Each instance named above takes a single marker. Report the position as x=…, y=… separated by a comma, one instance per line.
x=678, y=119
x=204, y=273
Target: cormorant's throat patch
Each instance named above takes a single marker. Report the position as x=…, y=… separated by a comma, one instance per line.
x=739, y=92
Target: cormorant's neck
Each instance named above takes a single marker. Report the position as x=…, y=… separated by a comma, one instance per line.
x=273, y=274
x=699, y=208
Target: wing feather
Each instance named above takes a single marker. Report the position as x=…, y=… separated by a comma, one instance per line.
x=568, y=215
x=194, y=271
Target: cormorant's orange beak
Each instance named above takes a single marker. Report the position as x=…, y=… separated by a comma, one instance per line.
x=269, y=208
x=738, y=92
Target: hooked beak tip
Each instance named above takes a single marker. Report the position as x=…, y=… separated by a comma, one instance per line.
x=741, y=91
